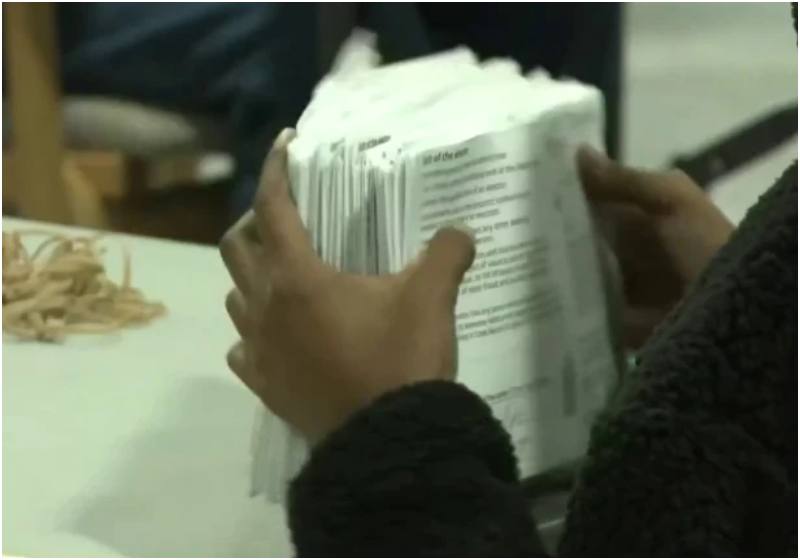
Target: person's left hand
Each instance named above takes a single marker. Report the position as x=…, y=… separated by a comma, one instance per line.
x=318, y=344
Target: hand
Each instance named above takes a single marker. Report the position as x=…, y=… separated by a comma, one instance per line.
x=318, y=344
x=663, y=228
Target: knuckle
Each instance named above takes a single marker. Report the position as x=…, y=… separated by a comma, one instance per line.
x=233, y=358
x=227, y=242
x=232, y=302
x=280, y=279
x=678, y=176
x=286, y=285
x=299, y=277
x=682, y=187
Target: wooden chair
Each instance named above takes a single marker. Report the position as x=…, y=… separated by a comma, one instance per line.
x=101, y=163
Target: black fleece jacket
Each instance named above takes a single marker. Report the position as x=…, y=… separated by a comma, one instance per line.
x=697, y=456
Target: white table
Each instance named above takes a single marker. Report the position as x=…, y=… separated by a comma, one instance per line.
x=136, y=444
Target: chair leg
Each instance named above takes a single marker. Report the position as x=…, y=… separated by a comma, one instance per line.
x=86, y=206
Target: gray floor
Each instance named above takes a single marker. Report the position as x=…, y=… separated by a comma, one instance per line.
x=695, y=71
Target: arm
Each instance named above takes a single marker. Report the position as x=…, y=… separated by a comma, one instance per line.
x=659, y=483
x=698, y=455
x=425, y=470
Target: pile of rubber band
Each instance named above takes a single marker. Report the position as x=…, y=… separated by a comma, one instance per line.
x=61, y=288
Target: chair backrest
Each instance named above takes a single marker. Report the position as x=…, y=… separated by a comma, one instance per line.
x=35, y=100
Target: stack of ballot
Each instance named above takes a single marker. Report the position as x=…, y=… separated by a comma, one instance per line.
x=386, y=155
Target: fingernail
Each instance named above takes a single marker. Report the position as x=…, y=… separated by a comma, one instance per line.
x=283, y=139
x=464, y=228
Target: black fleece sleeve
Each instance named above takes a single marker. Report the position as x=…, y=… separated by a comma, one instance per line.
x=699, y=455
x=423, y=471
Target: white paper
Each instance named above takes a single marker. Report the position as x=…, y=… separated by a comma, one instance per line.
x=384, y=157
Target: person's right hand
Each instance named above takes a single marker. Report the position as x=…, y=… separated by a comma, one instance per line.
x=663, y=229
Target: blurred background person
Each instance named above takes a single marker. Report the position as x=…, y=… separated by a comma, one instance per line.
x=117, y=113
x=254, y=66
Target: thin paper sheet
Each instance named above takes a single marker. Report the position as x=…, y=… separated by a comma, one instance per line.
x=386, y=156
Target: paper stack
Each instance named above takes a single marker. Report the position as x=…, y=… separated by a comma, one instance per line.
x=385, y=156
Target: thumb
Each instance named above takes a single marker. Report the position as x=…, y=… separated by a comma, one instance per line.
x=441, y=267
x=605, y=180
